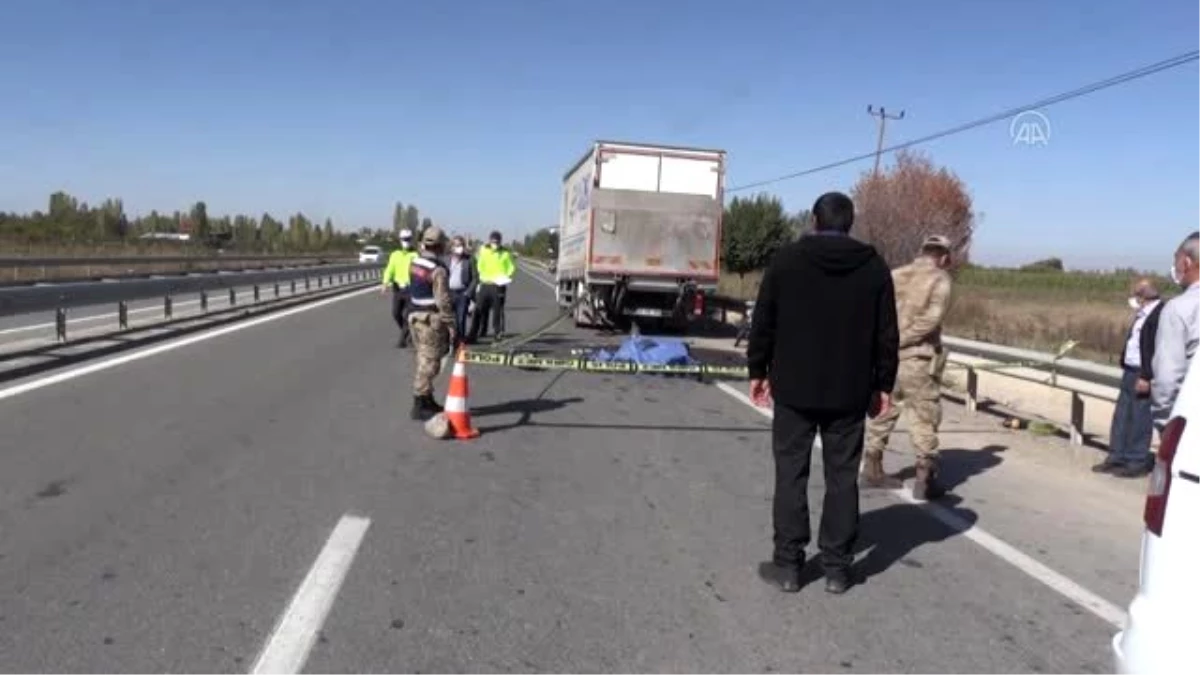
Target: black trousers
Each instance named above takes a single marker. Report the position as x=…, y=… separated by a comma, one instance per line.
x=400, y=311
x=489, y=301
x=793, y=432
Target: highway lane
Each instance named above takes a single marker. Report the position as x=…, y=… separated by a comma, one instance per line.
x=162, y=514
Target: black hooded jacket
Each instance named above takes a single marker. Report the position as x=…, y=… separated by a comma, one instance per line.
x=824, y=326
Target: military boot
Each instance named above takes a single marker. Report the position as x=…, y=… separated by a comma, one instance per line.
x=433, y=406
x=873, y=475
x=418, y=408
x=926, y=485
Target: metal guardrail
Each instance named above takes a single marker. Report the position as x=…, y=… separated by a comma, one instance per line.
x=59, y=297
x=102, y=261
x=1055, y=366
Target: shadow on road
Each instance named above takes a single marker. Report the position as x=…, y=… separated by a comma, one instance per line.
x=892, y=533
x=649, y=427
x=958, y=465
x=525, y=407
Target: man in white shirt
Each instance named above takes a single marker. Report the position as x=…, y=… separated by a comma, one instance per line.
x=1179, y=332
x=1131, y=431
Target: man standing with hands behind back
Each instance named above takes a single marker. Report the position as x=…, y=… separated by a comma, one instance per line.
x=824, y=346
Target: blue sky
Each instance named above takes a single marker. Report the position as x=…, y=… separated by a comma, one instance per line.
x=473, y=109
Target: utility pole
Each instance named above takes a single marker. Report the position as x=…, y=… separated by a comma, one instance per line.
x=883, y=118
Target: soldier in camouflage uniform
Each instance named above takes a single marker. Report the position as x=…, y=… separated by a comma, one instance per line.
x=922, y=298
x=431, y=319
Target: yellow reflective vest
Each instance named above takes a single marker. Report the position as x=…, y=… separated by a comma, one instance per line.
x=397, y=268
x=494, y=263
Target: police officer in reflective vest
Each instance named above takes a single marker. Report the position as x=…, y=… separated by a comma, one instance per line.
x=395, y=279
x=431, y=319
x=496, y=269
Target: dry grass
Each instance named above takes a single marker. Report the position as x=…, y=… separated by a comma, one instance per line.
x=1023, y=310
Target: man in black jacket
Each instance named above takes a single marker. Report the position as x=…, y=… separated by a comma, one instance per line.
x=824, y=346
x=1132, y=428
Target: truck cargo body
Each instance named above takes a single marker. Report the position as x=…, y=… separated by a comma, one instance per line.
x=640, y=233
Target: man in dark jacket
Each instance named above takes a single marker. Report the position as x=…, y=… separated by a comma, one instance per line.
x=824, y=346
x=1132, y=427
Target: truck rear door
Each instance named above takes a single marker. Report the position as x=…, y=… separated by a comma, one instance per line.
x=657, y=212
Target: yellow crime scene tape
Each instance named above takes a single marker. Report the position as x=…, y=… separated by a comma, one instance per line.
x=580, y=364
x=501, y=354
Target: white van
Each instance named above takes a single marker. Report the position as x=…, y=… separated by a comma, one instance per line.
x=1163, y=616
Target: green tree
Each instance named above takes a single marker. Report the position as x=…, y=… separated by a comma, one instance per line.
x=198, y=217
x=398, y=218
x=299, y=231
x=412, y=218
x=752, y=230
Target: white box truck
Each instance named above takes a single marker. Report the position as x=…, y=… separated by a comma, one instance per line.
x=640, y=234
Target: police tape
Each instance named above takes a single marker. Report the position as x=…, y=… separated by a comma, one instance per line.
x=531, y=362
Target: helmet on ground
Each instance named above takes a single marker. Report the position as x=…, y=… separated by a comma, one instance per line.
x=437, y=427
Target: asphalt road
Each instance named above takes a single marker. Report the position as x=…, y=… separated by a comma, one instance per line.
x=182, y=511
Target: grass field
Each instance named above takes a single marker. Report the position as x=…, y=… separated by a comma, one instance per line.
x=1035, y=310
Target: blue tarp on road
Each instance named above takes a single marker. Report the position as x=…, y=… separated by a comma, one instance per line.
x=647, y=351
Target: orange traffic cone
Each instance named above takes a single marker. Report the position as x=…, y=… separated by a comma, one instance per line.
x=456, y=411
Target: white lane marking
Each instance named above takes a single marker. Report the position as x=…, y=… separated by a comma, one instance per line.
x=290, y=643
x=548, y=284
x=31, y=385
x=1057, y=582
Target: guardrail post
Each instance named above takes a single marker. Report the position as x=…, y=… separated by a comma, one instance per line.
x=123, y=314
x=60, y=324
x=972, y=389
x=307, y=283
x=168, y=309
x=232, y=297
x=320, y=282
x=276, y=289
x=293, y=286
x=204, y=301
x=256, y=296
x=1076, y=418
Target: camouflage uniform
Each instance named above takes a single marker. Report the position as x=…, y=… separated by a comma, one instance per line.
x=922, y=297
x=431, y=320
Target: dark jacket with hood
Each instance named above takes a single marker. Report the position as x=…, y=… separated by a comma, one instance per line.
x=824, y=328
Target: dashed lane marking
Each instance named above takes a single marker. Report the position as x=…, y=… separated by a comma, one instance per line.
x=289, y=645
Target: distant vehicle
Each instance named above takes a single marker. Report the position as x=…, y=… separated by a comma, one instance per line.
x=639, y=234
x=370, y=254
x=1161, y=625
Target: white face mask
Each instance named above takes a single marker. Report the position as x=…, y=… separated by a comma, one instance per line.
x=405, y=244
x=458, y=250
x=1134, y=304
x=1175, y=276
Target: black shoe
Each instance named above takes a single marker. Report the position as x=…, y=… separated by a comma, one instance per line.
x=786, y=579
x=837, y=582
x=1107, y=466
x=1132, y=471
x=418, y=409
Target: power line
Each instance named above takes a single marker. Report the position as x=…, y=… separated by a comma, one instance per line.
x=1139, y=73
